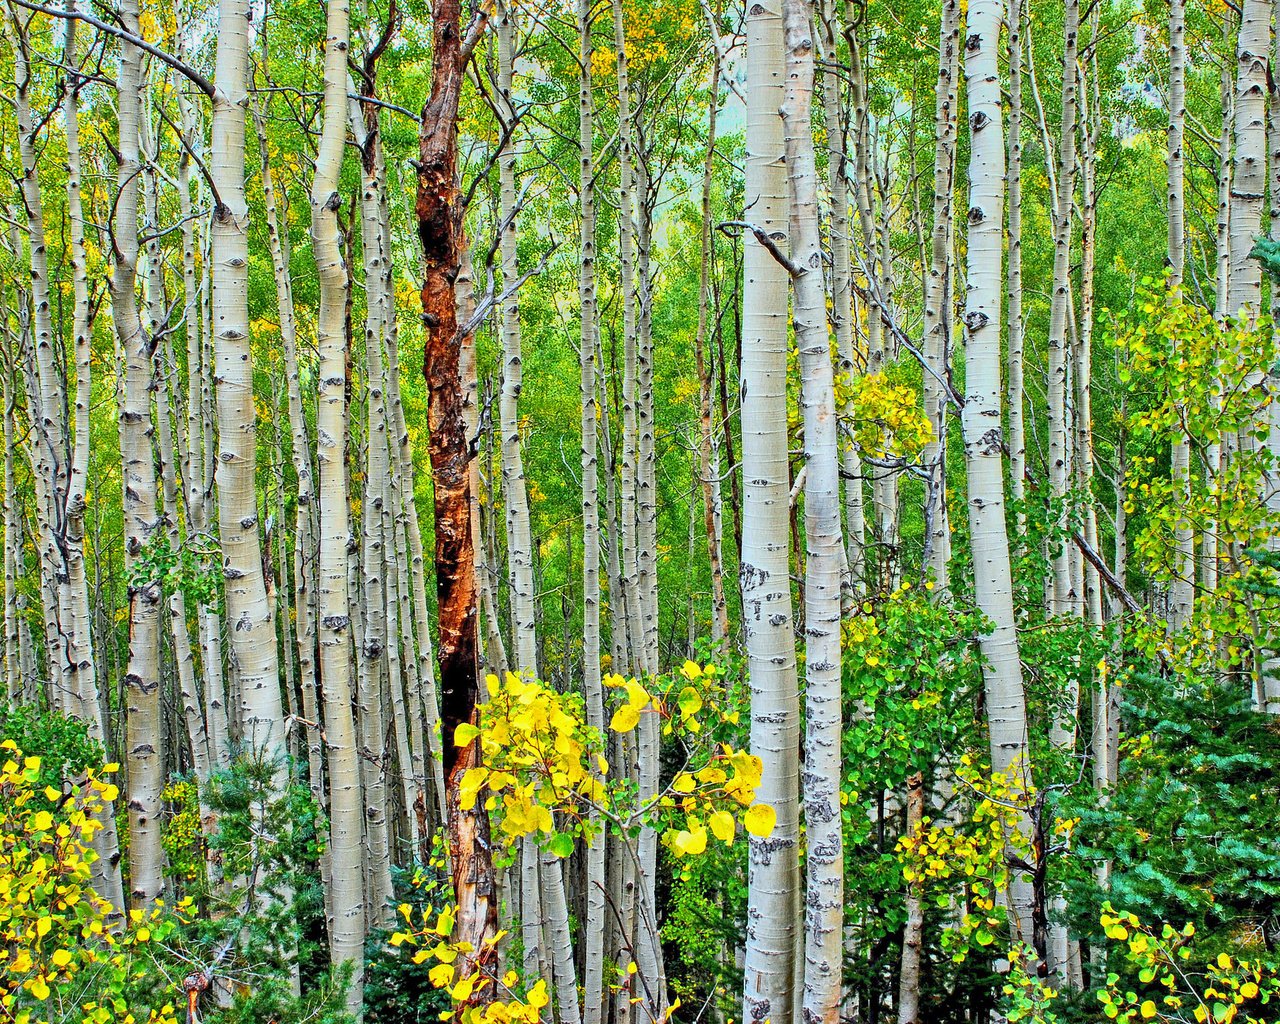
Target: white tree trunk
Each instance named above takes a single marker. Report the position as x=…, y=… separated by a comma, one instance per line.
x=980, y=422
x=772, y=902
x=824, y=545
x=347, y=925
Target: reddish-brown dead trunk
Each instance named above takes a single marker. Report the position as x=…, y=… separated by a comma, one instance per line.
x=439, y=214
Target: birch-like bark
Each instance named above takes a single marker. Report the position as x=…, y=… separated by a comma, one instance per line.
x=597, y=908
x=980, y=422
x=347, y=925
x=1249, y=162
x=938, y=299
x=913, y=930
x=1064, y=601
x=84, y=683
x=773, y=885
x=824, y=545
x=1017, y=425
x=47, y=445
x=842, y=323
x=1182, y=589
x=708, y=436
x=144, y=742
x=304, y=544
x=520, y=541
x=250, y=632
x=626, y=256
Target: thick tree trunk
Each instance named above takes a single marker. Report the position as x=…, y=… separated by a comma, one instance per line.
x=773, y=886
x=144, y=740
x=980, y=421
x=252, y=639
x=824, y=545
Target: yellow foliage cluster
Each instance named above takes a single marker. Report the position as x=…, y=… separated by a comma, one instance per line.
x=543, y=770
x=538, y=756
x=935, y=854
x=887, y=420
x=62, y=945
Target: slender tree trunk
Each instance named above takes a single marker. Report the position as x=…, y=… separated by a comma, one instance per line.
x=597, y=908
x=708, y=437
x=824, y=563
x=772, y=905
x=84, y=682
x=1182, y=590
x=304, y=546
x=144, y=743
x=347, y=924
x=1017, y=428
x=841, y=293
x=980, y=421
x=938, y=299
x=252, y=640
x=1064, y=600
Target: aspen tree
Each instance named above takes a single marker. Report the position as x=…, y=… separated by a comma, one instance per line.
x=1182, y=589
x=773, y=884
x=708, y=436
x=1249, y=162
x=1064, y=600
x=47, y=445
x=842, y=291
x=626, y=256
x=347, y=925
x=824, y=891
x=304, y=545
x=252, y=640
x=144, y=738
x=375, y=526
x=588, y=341
x=980, y=423
x=1017, y=428
x=106, y=869
x=938, y=300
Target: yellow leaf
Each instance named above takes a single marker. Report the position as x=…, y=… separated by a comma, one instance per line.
x=722, y=826
x=40, y=988
x=759, y=820
x=60, y=958
x=464, y=734
x=1148, y=1009
x=624, y=719
x=537, y=997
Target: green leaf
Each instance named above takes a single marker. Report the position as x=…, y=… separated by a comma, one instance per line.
x=561, y=844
